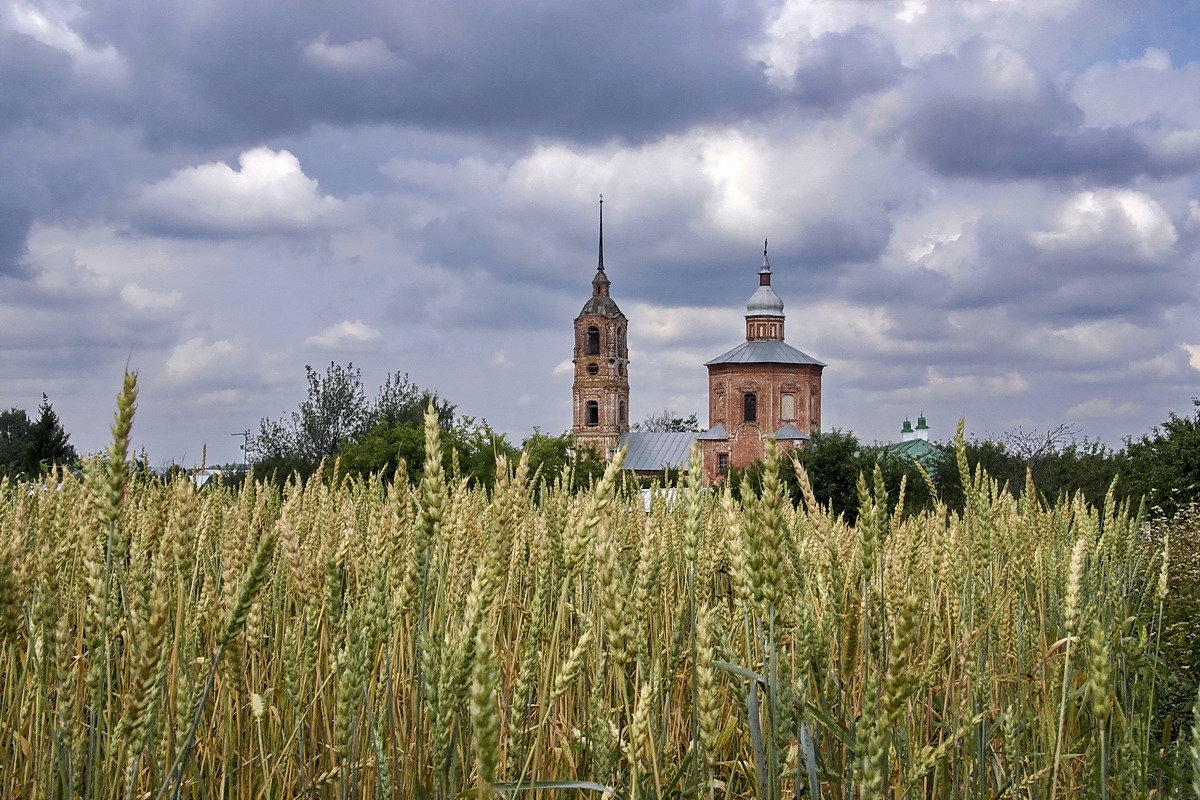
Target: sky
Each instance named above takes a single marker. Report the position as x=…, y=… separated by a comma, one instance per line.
x=986, y=209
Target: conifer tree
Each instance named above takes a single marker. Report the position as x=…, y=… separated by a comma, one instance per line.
x=48, y=441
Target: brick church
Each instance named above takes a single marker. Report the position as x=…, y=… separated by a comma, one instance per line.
x=760, y=389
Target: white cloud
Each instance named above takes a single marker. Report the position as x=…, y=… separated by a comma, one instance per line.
x=1113, y=217
x=145, y=299
x=269, y=193
x=196, y=359
x=660, y=325
x=343, y=335
x=363, y=55
x=800, y=185
x=500, y=359
x=1102, y=407
x=939, y=387
x=104, y=63
x=1102, y=339
x=1193, y=351
x=916, y=27
x=221, y=397
x=1144, y=89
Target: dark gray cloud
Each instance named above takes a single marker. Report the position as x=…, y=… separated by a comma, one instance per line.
x=586, y=71
x=14, y=227
x=987, y=112
x=1106, y=274
x=838, y=67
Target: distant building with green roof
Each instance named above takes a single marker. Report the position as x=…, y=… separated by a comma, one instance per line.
x=914, y=444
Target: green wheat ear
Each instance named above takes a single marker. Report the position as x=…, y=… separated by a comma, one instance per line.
x=116, y=468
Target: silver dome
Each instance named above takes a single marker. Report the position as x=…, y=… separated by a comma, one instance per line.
x=764, y=303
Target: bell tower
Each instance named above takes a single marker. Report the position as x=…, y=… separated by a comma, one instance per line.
x=600, y=392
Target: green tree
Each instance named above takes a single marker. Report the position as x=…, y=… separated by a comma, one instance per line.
x=336, y=408
x=1164, y=465
x=833, y=462
x=16, y=431
x=1059, y=464
x=991, y=454
x=401, y=400
x=383, y=448
x=336, y=413
x=553, y=456
x=469, y=447
x=1085, y=466
x=48, y=442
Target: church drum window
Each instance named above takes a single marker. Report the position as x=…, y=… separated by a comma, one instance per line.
x=621, y=412
x=750, y=407
x=593, y=341
x=593, y=368
x=593, y=412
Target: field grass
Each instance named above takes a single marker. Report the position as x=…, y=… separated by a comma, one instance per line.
x=367, y=639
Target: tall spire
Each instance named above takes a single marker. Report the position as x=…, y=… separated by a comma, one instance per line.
x=600, y=282
x=601, y=263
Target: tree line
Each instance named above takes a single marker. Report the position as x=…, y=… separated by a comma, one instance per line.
x=1162, y=467
x=339, y=425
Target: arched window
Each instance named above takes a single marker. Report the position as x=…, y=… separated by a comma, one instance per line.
x=593, y=412
x=620, y=369
x=593, y=368
x=621, y=411
x=593, y=341
x=750, y=407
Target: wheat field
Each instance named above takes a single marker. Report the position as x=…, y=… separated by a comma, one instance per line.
x=367, y=639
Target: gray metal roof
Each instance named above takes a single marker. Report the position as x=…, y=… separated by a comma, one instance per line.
x=789, y=432
x=770, y=351
x=656, y=450
x=716, y=433
x=764, y=303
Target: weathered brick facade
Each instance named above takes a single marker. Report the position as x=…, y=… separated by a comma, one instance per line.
x=601, y=377
x=728, y=385
x=761, y=389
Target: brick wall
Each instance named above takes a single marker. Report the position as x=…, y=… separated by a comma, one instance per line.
x=727, y=386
